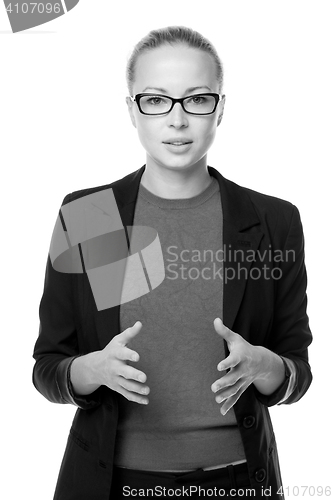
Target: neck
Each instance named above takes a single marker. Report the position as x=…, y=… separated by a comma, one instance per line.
x=176, y=183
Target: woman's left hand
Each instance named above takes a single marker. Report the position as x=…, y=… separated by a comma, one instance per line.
x=246, y=364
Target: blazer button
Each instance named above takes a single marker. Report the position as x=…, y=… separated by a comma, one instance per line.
x=260, y=475
x=249, y=422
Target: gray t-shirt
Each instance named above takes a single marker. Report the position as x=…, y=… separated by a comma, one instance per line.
x=181, y=427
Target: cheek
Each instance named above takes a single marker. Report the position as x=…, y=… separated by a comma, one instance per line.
x=207, y=134
x=147, y=133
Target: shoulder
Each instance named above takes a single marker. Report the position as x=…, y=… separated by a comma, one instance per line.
x=266, y=206
x=279, y=218
x=75, y=195
x=117, y=186
x=261, y=199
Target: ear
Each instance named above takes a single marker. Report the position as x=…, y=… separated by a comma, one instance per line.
x=130, y=104
x=221, y=109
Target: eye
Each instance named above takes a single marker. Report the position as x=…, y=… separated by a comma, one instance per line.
x=198, y=99
x=155, y=100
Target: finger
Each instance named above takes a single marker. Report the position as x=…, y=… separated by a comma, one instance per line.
x=228, y=392
x=229, y=380
x=230, y=362
x=131, y=373
x=125, y=354
x=229, y=403
x=131, y=396
x=223, y=331
x=128, y=334
x=131, y=386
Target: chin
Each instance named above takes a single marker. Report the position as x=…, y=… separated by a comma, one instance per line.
x=178, y=164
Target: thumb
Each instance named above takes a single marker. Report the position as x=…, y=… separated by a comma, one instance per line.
x=223, y=330
x=128, y=334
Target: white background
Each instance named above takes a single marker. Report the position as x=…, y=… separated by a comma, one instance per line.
x=64, y=126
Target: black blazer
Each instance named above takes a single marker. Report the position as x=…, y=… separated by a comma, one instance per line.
x=269, y=312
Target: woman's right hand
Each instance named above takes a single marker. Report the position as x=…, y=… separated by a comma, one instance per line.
x=109, y=367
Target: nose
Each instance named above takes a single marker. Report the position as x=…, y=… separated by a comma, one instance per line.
x=177, y=117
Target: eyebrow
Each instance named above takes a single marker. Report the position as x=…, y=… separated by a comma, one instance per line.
x=189, y=90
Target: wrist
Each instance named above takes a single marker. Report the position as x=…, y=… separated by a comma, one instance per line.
x=94, y=368
x=84, y=375
x=264, y=362
x=272, y=372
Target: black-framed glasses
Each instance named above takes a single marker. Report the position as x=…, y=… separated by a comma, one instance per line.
x=158, y=104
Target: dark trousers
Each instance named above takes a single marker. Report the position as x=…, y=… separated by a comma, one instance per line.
x=228, y=482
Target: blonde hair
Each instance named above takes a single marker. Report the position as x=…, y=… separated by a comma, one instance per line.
x=172, y=35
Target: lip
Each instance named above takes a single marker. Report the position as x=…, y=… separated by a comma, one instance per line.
x=178, y=141
x=178, y=148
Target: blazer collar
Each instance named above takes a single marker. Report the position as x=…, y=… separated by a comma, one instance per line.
x=238, y=210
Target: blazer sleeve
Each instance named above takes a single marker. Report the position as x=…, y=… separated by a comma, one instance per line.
x=290, y=335
x=57, y=343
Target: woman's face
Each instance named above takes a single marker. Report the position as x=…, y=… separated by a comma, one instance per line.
x=176, y=71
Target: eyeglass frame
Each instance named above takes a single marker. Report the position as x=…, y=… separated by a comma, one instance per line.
x=136, y=98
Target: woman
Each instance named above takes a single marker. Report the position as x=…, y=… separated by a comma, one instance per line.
x=157, y=283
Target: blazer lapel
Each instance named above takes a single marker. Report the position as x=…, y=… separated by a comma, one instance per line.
x=125, y=191
x=241, y=234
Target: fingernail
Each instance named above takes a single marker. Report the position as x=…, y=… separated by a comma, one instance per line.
x=135, y=357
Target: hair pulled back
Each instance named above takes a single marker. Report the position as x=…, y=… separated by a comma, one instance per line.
x=172, y=35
